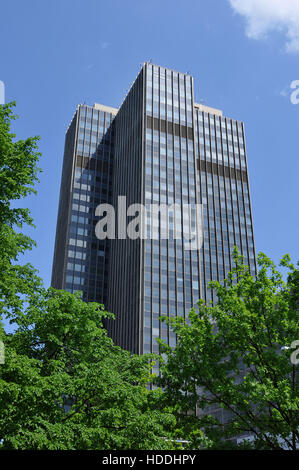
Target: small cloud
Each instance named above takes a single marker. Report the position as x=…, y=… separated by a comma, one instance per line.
x=285, y=92
x=104, y=45
x=265, y=16
x=90, y=66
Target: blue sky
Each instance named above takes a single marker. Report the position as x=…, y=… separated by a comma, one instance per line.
x=243, y=55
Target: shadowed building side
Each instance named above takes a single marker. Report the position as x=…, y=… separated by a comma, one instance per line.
x=80, y=259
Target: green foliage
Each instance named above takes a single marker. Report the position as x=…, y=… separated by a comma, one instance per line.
x=61, y=355
x=229, y=357
x=64, y=384
x=18, y=173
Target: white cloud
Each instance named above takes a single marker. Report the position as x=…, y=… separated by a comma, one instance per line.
x=285, y=92
x=264, y=16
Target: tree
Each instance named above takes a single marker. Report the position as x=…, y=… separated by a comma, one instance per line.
x=65, y=385
x=18, y=174
x=231, y=357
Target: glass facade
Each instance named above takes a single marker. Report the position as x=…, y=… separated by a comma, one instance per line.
x=224, y=192
x=89, y=160
x=171, y=280
x=159, y=148
x=125, y=263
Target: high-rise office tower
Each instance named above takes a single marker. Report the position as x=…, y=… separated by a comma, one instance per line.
x=159, y=147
